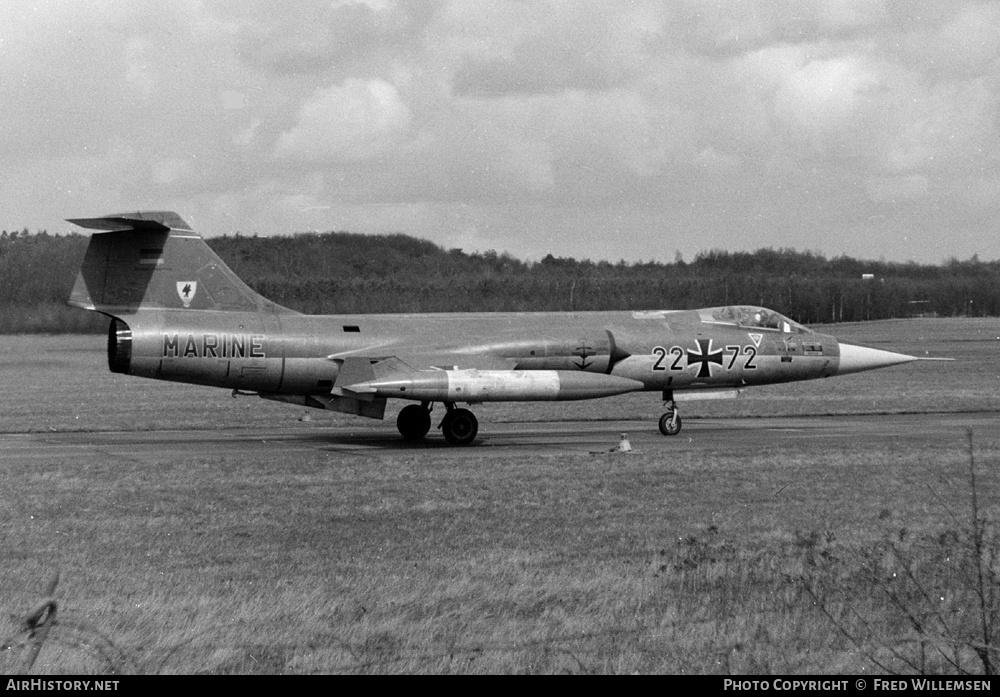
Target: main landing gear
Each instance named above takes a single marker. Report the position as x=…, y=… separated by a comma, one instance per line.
x=459, y=426
x=670, y=422
x=414, y=421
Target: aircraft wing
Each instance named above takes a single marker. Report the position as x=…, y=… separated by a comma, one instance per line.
x=467, y=378
x=417, y=360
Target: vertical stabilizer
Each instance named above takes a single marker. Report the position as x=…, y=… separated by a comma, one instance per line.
x=153, y=260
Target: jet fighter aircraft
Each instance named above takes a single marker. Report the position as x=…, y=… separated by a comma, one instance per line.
x=179, y=313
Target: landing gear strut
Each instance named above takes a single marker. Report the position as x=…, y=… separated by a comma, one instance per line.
x=414, y=421
x=670, y=422
x=459, y=426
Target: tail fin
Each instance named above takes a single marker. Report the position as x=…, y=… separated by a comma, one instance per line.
x=153, y=260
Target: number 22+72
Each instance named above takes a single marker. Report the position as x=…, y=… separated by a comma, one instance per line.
x=678, y=353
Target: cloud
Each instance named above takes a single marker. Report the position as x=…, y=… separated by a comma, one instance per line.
x=547, y=48
x=943, y=128
x=897, y=189
x=954, y=39
x=825, y=101
x=318, y=37
x=355, y=121
x=307, y=38
x=838, y=16
x=732, y=28
x=971, y=40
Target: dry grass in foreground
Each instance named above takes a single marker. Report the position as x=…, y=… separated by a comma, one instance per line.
x=618, y=564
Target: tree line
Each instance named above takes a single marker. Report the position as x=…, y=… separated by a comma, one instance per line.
x=341, y=272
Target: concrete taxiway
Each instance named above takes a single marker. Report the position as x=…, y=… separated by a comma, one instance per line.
x=502, y=440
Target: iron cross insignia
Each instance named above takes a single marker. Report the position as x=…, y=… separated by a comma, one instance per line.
x=706, y=356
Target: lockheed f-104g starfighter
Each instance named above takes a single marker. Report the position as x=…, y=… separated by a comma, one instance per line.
x=179, y=313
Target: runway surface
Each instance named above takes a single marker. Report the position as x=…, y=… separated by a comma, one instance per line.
x=504, y=440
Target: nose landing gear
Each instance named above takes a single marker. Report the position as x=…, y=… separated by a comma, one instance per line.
x=670, y=422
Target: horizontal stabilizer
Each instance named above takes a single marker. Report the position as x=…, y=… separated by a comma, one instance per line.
x=148, y=221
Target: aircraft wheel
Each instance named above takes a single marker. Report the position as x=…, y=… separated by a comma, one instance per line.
x=413, y=422
x=460, y=426
x=670, y=423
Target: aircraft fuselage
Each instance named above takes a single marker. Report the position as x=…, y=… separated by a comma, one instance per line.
x=303, y=354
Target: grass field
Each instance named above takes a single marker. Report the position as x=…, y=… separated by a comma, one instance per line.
x=702, y=561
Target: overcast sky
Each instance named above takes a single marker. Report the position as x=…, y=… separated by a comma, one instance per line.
x=601, y=130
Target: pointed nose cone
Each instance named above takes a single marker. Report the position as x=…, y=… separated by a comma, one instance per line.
x=854, y=359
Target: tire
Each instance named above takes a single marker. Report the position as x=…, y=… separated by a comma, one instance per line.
x=413, y=422
x=460, y=427
x=670, y=426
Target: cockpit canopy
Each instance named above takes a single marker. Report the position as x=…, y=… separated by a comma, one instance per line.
x=750, y=317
